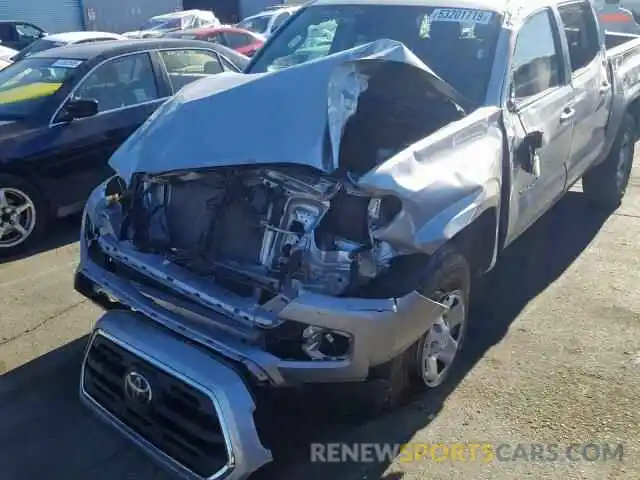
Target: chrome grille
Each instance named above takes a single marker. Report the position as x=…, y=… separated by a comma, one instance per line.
x=179, y=420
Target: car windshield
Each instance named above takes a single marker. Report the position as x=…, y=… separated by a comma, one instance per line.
x=26, y=85
x=451, y=41
x=37, y=46
x=258, y=24
x=161, y=23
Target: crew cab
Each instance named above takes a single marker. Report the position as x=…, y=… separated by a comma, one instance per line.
x=341, y=242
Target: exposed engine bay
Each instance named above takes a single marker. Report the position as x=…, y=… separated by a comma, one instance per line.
x=261, y=232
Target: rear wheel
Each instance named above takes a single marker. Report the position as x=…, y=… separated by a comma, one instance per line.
x=606, y=184
x=22, y=215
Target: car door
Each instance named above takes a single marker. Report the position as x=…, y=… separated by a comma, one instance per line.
x=540, y=97
x=590, y=80
x=127, y=89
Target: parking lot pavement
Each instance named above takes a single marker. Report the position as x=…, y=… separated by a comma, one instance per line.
x=554, y=357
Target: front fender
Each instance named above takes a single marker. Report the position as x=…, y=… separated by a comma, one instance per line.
x=445, y=182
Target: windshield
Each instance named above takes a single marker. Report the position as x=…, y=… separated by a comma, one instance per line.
x=37, y=46
x=453, y=42
x=26, y=85
x=161, y=23
x=257, y=24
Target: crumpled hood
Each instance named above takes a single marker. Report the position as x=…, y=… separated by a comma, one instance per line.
x=233, y=119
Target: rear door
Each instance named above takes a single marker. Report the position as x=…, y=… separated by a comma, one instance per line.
x=127, y=90
x=590, y=81
x=540, y=99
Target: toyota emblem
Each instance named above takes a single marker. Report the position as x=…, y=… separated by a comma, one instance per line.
x=137, y=388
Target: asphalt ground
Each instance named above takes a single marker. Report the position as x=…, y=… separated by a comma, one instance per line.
x=553, y=358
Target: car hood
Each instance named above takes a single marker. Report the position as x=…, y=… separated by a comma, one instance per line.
x=299, y=111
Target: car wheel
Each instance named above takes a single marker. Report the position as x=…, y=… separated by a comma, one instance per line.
x=23, y=215
x=428, y=363
x=606, y=184
x=436, y=353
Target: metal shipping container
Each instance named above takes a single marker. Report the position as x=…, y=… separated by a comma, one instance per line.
x=54, y=16
x=123, y=15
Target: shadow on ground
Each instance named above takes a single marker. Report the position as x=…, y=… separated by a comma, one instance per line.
x=61, y=232
x=70, y=442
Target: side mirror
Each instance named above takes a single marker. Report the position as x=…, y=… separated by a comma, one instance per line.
x=527, y=155
x=81, y=108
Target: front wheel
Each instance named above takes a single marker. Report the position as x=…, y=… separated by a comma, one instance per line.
x=428, y=363
x=22, y=215
x=606, y=184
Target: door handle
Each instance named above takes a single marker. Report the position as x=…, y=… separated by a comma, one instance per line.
x=567, y=114
x=604, y=88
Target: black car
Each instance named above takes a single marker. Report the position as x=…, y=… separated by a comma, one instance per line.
x=64, y=111
x=18, y=35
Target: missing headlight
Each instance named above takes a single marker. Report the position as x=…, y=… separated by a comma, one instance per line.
x=325, y=344
x=293, y=341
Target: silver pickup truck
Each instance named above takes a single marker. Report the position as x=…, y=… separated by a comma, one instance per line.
x=397, y=148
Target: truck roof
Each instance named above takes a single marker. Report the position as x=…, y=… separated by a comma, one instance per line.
x=515, y=8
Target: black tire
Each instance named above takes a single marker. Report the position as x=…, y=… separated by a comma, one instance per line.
x=606, y=184
x=42, y=214
x=447, y=271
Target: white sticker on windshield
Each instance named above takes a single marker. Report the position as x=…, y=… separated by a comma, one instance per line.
x=461, y=15
x=66, y=63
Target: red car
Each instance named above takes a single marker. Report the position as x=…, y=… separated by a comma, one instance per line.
x=238, y=39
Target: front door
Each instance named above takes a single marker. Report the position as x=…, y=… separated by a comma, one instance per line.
x=541, y=99
x=127, y=93
x=590, y=80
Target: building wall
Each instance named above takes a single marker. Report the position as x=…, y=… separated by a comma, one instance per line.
x=251, y=7
x=54, y=16
x=123, y=15
x=226, y=10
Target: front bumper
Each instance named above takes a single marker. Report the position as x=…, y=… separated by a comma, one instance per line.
x=170, y=429
x=381, y=329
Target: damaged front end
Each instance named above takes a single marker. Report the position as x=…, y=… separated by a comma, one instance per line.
x=298, y=255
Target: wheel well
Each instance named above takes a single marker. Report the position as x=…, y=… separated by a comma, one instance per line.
x=477, y=241
x=31, y=180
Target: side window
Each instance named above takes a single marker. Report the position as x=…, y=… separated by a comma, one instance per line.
x=27, y=32
x=8, y=32
x=236, y=40
x=119, y=83
x=228, y=65
x=186, y=66
x=216, y=38
x=582, y=33
x=537, y=64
